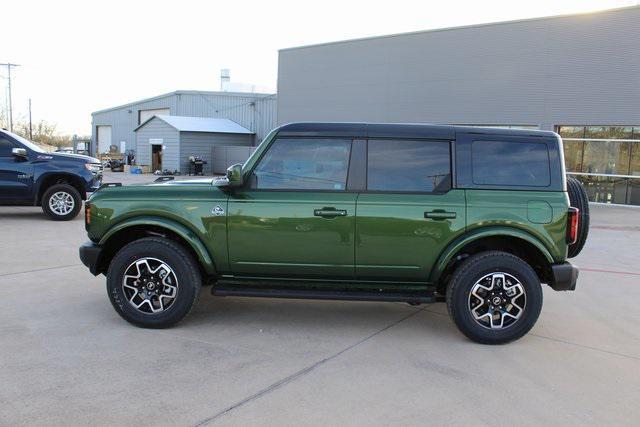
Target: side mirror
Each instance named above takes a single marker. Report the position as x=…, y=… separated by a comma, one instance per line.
x=19, y=152
x=233, y=178
x=234, y=175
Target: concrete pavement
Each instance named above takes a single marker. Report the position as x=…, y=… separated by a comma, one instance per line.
x=66, y=358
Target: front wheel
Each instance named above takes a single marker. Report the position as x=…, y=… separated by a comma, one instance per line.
x=153, y=282
x=494, y=297
x=61, y=202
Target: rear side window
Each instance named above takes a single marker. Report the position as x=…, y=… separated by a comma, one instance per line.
x=304, y=164
x=508, y=163
x=408, y=166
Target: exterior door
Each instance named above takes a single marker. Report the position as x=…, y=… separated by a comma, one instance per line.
x=104, y=139
x=409, y=212
x=16, y=173
x=295, y=216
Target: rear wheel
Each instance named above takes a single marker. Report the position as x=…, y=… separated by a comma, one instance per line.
x=61, y=202
x=494, y=297
x=578, y=199
x=153, y=282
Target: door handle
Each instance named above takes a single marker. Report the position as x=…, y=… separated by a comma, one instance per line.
x=439, y=215
x=329, y=212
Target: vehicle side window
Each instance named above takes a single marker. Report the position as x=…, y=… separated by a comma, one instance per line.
x=508, y=163
x=5, y=147
x=408, y=166
x=304, y=164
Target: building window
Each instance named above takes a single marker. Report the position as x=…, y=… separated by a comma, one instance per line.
x=144, y=115
x=606, y=159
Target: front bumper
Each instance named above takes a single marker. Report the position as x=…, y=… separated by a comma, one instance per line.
x=565, y=276
x=90, y=256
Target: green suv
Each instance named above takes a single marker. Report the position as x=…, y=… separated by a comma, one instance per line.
x=475, y=217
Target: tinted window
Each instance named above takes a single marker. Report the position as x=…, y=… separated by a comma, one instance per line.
x=304, y=164
x=510, y=163
x=414, y=166
x=5, y=147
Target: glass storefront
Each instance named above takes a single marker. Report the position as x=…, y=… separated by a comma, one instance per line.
x=606, y=159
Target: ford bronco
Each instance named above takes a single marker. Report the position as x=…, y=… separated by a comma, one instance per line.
x=476, y=217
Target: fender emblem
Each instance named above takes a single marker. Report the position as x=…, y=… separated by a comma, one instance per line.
x=218, y=211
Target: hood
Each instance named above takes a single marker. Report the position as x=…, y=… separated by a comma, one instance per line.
x=200, y=181
x=69, y=156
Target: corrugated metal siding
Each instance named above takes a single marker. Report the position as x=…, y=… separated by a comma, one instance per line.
x=259, y=117
x=582, y=69
x=124, y=120
x=156, y=128
x=256, y=113
x=201, y=144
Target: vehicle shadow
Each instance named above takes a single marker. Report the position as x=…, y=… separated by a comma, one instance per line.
x=316, y=316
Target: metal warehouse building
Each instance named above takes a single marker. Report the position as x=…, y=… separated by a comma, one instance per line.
x=115, y=126
x=576, y=74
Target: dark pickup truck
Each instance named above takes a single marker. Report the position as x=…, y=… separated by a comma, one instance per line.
x=29, y=176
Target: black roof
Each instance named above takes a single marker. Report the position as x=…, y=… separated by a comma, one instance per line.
x=395, y=130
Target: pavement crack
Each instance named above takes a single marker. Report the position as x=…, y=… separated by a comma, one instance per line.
x=302, y=372
x=39, y=269
x=586, y=347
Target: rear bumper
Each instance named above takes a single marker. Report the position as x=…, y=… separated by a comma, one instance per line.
x=565, y=276
x=90, y=256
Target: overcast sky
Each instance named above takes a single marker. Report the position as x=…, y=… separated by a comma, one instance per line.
x=78, y=57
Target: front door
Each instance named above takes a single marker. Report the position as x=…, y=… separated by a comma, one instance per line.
x=16, y=174
x=295, y=217
x=409, y=212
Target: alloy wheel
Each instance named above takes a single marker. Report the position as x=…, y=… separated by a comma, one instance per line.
x=61, y=203
x=150, y=285
x=497, y=300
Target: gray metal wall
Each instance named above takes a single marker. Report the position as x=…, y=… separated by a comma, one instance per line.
x=156, y=128
x=256, y=112
x=202, y=144
x=580, y=69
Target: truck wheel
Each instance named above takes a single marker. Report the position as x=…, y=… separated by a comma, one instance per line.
x=494, y=297
x=153, y=282
x=578, y=199
x=61, y=202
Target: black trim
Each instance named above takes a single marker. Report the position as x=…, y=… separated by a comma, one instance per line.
x=90, y=256
x=324, y=294
x=565, y=277
x=357, y=178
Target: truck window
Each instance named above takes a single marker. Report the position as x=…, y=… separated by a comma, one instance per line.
x=408, y=166
x=508, y=163
x=304, y=164
x=5, y=147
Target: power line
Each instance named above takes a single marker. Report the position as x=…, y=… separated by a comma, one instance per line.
x=9, y=65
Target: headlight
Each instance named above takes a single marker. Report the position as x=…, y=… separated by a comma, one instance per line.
x=93, y=167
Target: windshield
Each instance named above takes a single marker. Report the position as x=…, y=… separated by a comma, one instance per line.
x=30, y=145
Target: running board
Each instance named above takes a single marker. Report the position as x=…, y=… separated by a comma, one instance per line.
x=323, y=294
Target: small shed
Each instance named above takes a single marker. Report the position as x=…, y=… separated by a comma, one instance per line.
x=167, y=142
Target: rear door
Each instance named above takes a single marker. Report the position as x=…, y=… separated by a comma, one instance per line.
x=295, y=216
x=409, y=211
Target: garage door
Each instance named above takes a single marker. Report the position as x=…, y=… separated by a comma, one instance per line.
x=144, y=115
x=104, y=138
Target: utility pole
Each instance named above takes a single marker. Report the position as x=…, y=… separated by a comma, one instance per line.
x=9, y=65
x=30, y=127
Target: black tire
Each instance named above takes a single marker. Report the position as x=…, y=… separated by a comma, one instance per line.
x=182, y=264
x=471, y=271
x=578, y=199
x=56, y=190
